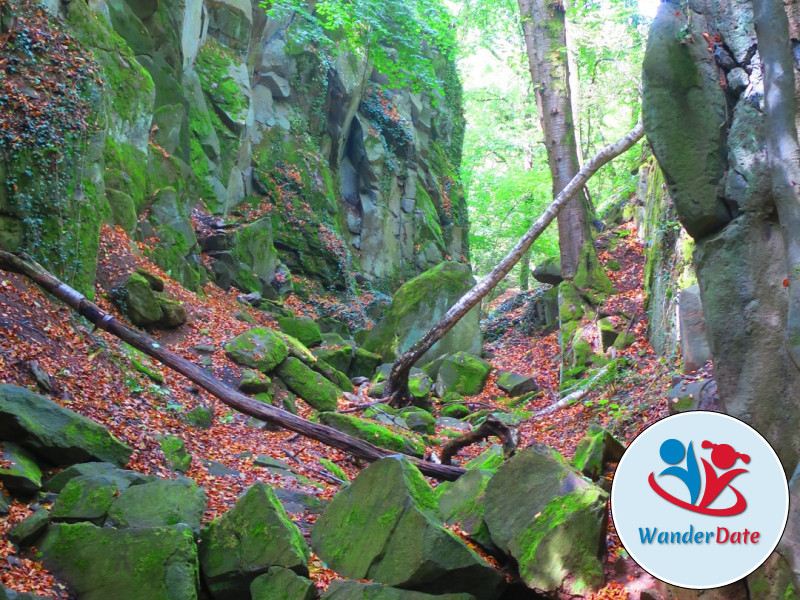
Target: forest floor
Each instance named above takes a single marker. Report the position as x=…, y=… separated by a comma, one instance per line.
x=92, y=374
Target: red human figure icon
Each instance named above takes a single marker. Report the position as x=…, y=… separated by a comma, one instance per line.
x=724, y=457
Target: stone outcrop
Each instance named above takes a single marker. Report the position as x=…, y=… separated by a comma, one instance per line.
x=299, y=161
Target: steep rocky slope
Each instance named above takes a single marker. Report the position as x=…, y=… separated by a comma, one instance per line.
x=232, y=146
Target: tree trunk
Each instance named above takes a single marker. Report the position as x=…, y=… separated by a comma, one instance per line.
x=525, y=271
x=545, y=33
x=327, y=435
x=397, y=386
x=783, y=150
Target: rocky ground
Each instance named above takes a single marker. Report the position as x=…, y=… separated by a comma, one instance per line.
x=139, y=401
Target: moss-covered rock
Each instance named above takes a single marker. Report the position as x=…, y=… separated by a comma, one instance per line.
x=550, y=519
x=123, y=478
x=608, y=333
x=125, y=564
x=417, y=306
x=364, y=363
x=339, y=356
x=245, y=542
x=462, y=502
x=342, y=589
x=419, y=420
x=596, y=448
x=85, y=498
x=385, y=526
x=455, y=410
x=53, y=432
x=311, y=386
x=175, y=454
x=260, y=348
x=515, y=384
x=254, y=382
x=20, y=474
x=26, y=532
x=282, y=584
x=419, y=386
x=373, y=433
x=302, y=328
x=138, y=302
x=571, y=306
x=161, y=503
x=591, y=277
x=462, y=373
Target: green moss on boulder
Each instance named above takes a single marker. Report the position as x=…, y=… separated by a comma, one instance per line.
x=417, y=306
x=462, y=502
x=550, y=519
x=21, y=475
x=160, y=503
x=245, y=542
x=311, y=386
x=124, y=564
x=462, y=373
x=302, y=328
x=596, y=448
x=364, y=363
x=373, y=433
x=385, y=526
x=260, y=348
x=85, y=498
x=455, y=410
x=53, y=432
x=282, y=584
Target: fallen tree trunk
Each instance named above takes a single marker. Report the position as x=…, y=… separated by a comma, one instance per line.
x=329, y=436
x=491, y=426
x=397, y=385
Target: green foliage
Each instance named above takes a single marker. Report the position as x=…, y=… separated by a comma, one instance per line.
x=394, y=35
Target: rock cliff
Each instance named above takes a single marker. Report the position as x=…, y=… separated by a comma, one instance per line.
x=231, y=147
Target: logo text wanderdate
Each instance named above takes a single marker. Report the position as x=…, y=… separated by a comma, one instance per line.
x=721, y=536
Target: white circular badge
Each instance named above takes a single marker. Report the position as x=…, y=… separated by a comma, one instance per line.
x=699, y=500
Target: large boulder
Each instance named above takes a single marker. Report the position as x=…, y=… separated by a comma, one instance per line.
x=53, y=432
x=683, y=106
x=462, y=502
x=302, y=328
x=20, y=474
x=550, y=519
x=161, y=503
x=311, y=386
x=549, y=271
x=515, y=384
x=417, y=306
x=282, y=584
x=260, y=348
x=245, y=542
x=124, y=564
x=385, y=526
x=342, y=589
x=121, y=477
x=462, y=373
x=596, y=448
x=85, y=498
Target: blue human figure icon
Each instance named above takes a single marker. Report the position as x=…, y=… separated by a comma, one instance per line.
x=672, y=452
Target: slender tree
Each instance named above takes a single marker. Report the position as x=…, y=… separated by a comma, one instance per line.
x=545, y=33
x=397, y=386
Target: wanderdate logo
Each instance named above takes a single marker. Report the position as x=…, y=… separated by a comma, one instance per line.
x=723, y=457
x=699, y=500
